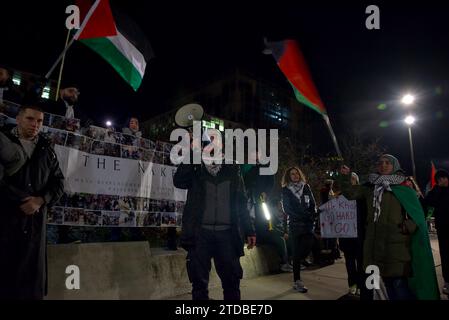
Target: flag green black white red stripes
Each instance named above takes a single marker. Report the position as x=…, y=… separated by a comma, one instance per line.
x=116, y=38
x=293, y=65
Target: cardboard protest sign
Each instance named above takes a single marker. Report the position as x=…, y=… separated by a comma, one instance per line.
x=338, y=218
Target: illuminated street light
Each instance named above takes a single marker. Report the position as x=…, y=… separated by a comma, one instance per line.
x=108, y=123
x=410, y=120
x=408, y=99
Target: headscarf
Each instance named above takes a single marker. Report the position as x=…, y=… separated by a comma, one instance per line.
x=383, y=182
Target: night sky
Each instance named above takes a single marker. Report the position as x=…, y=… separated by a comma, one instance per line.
x=354, y=69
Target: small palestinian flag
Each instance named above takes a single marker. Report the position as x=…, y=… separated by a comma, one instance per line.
x=293, y=65
x=116, y=38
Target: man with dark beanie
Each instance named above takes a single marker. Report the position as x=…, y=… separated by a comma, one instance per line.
x=438, y=198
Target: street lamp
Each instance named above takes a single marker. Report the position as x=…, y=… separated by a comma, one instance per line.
x=410, y=120
x=108, y=123
x=408, y=99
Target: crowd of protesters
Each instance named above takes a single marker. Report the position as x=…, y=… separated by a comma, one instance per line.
x=222, y=200
x=392, y=233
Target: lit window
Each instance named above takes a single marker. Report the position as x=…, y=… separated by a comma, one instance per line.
x=16, y=79
x=46, y=93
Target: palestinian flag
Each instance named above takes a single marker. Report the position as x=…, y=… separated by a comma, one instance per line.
x=423, y=282
x=292, y=63
x=116, y=38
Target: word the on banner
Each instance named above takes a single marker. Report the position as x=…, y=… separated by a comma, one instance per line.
x=338, y=218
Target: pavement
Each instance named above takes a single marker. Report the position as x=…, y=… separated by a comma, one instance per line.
x=326, y=283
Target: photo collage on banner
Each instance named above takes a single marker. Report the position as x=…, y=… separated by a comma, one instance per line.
x=100, y=210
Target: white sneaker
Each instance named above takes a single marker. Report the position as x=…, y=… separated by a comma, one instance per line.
x=286, y=268
x=299, y=286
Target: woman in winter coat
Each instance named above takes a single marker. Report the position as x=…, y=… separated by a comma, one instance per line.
x=396, y=238
x=299, y=204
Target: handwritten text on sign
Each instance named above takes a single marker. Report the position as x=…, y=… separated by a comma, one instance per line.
x=338, y=218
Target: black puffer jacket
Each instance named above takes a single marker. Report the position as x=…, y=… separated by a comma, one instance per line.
x=438, y=198
x=301, y=215
x=192, y=178
x=22, y=237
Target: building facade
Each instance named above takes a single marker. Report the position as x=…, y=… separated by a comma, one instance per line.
x=239, y=100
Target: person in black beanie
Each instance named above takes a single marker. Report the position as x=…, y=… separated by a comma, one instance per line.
x=438, y=198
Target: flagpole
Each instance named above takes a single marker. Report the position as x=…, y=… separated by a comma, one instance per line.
x=83, y=25
x=61, y=57
x=62, y=67
x=334, y=138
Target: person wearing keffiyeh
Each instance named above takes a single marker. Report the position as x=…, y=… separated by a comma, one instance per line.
x=396, y=238
x=299, y=205
x=215, y=223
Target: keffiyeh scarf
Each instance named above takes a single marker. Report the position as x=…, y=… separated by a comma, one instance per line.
x=297, y=189
x=213, y=168
x=382, y=183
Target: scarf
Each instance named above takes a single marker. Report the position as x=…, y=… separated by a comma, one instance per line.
x=213, y=168
x=297, y=189
x=382, y=183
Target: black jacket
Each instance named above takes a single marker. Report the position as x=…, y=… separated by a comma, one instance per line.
x=255, y=185
x=301, y=215
x=192, y=178
x=438, y=198
x=22, y=237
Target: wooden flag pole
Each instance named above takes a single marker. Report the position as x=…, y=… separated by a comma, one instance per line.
x=61, y=57
x=62, y=66
x=76, y=36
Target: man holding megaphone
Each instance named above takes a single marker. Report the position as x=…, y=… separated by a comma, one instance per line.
x=214, y=218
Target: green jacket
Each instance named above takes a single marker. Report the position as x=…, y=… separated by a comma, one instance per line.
x=398, y=249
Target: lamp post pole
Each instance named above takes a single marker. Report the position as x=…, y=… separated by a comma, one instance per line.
x=412, y=153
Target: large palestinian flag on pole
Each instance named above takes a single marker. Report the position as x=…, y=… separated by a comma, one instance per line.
x=116, y=38
x=293, y=65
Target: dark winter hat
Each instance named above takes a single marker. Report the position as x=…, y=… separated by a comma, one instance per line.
x=441, y=174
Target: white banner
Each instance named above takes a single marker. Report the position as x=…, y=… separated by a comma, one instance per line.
x=97, y=174
x=112, y=179
x=338, y=218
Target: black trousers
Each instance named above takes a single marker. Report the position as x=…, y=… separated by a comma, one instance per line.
x=220, y=246
x=353, y=260
x=301, y=246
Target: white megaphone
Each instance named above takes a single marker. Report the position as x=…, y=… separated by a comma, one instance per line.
x=187, y=114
